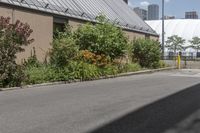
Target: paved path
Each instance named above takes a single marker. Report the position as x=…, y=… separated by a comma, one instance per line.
x=149, y=103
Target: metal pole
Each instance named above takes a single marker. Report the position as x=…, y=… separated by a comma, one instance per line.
x=163, y=28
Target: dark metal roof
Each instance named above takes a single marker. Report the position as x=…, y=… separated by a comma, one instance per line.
x=117, y=11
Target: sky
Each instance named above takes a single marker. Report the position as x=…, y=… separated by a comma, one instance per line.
x=175, y=8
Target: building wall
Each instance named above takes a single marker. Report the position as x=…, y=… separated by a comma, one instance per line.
x=75, y=23
x=7, y=12
x=130, y=34
x=42, y=26
x=154, y=38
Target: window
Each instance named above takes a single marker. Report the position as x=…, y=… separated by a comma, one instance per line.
x=147, y=36
x=59, y=25
x=198, y=54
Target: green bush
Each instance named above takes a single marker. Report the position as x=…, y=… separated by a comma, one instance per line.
x=109, y=70
x=162, y=64
x=13, y=38
x=83, y=71
x=146, y=52
x=32, y=61
x=15, y=78
x=103, y=38
x=127, y=67
x=40, y=74
x=63, y=49
x=86, y=54
x=74, y=70
x=131, y=67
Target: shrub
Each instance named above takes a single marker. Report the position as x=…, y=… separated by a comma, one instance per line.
x=146, y=52
x=40, y=74
x=91, y=58
x=83, y=71
x=13, y=38
x=162, y=64
x=130, y=67
x=14, y=79
x=46, y=73
x=104, y=38
x=109, y=69
x=32, y=61
x=63, y=49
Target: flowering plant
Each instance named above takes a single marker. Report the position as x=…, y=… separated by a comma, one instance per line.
x=12, y=39
x=89, y=57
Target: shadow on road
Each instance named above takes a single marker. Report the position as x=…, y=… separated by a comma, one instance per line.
x=158, y=116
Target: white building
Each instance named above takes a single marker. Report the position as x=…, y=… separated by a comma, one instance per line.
x=185, y=28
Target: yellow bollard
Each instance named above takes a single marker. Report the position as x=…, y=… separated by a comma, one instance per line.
x=179, y=62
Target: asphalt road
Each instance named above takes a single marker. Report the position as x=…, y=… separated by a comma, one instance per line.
x=163, y=102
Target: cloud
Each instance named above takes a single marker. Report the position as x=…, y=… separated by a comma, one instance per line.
x=144, y=3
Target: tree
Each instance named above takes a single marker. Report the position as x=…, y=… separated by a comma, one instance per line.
x=103, y=38
x=195, y=43
x=64, y=48
x=13, y=38
x=175, y=43
x=146, y=52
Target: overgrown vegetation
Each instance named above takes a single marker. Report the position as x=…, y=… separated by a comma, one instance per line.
x=146, y=52
x=104, y=38
x=13, y=37
x=88, y=53
x=64, y=48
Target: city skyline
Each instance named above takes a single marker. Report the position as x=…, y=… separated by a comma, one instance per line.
x=172, y=7
x=153, y=12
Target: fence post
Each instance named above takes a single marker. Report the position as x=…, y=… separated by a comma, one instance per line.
x=185, y=61
x=179, y=62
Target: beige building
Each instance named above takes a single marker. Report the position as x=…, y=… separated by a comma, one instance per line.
x=45, y=17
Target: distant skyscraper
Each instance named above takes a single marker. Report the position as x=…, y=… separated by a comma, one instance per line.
x=153, y=12
x=191, y=15
x=126, y=1
x=142, y=13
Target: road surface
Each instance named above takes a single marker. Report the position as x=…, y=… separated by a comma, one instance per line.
x=162, y=102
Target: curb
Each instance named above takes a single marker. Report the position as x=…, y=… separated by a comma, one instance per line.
x=145, y=71
x=75, y=81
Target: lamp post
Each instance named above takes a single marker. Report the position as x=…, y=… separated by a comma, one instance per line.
x=163, y=28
